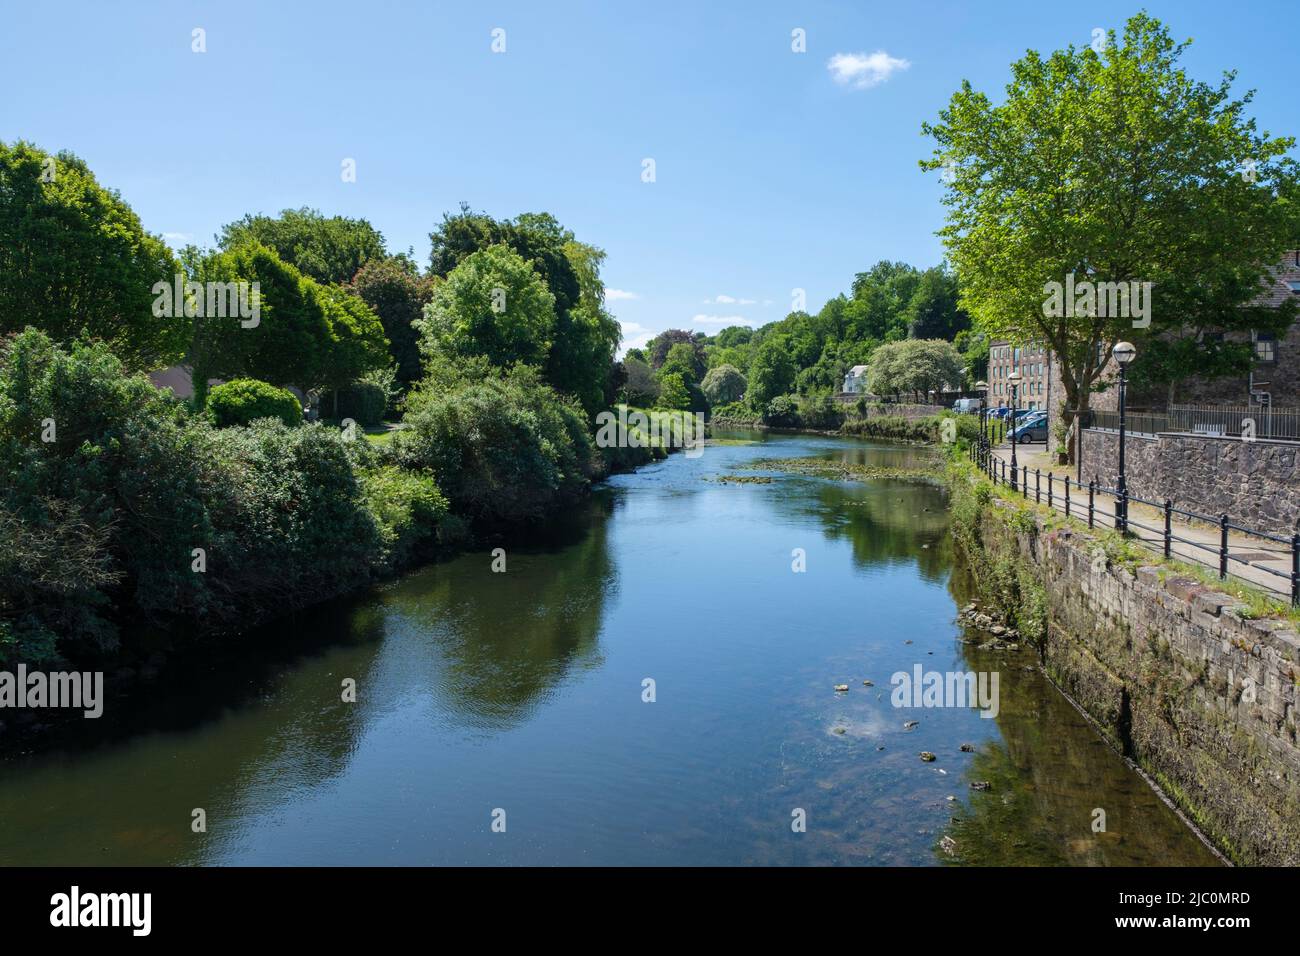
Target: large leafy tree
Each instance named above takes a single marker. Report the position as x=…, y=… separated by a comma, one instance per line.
x=394, y=288
x=1116, y=167
x=914, y=366
x=306, y=335
x=74, y=257
x=772, y=372
x=329, y=249
x=494, y=305
x=580, y=357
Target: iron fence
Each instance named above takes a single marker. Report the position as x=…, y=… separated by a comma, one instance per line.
x=1264, y=421
x=1056, y=493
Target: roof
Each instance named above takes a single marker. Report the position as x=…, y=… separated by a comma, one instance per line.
x=1287, y=271
x=857, y=370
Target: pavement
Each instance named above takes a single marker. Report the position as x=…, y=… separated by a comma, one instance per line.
x=1250, y=558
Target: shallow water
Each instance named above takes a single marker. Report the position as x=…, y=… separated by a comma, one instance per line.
x=522, y=692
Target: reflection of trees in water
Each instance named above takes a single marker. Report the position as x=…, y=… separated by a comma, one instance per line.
x=248, y=731
x=504, y=641
x=887, y=520
x=1049, y=772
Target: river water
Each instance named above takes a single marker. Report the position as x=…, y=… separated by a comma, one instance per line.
x=519, y=697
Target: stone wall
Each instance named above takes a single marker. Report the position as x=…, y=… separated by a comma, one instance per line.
x=1201, y=699
x=1257, y=483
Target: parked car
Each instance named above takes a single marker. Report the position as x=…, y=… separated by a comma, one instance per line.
x=1030, y=428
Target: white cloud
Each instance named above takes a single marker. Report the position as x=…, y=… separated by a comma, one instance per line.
x=728, y=300
x=635, y=336
x=862, y=70
x=617, y=295
x=176, y=238
x=703, y=319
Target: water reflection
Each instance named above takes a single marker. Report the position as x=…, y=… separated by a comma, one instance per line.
x=523, y=690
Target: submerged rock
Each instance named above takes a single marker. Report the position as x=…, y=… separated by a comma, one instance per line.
x=968, y=748
x=841, y=688
x=981, y=785
x=927, y=756
x=909, y=724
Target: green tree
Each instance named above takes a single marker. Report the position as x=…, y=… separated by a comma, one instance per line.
x=1112, y=167
x=772, y=372
x=640, y=387
x=724, y=384
x=74, y=257
x=493, y=304
x=329, y=249
x=673, y=393
x=580, y=355
x=394, y=288
x=682, y=359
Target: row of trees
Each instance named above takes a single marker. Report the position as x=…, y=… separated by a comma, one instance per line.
x=809, y=354
x=334, y=305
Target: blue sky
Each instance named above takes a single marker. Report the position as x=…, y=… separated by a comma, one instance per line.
x=774, y=170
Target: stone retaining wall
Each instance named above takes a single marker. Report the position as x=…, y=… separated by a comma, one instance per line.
x=1200, y=698
x=1257, y=483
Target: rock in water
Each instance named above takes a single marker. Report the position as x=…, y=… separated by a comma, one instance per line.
x=927, y=756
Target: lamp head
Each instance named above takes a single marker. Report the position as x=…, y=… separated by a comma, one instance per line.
x=1124, y=353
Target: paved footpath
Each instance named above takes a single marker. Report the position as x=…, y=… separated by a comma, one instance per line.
x=1248, y=555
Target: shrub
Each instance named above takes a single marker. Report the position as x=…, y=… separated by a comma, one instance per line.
x=290, y=523
x=502, y=449
x=782, y=412
x=407, y=507
x=245, y=400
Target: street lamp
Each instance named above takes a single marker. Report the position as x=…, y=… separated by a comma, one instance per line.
x=1014, y=381
x=982, y=387
x=1124, y=353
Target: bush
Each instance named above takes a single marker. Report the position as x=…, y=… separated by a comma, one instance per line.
x=407, y=507
x=289, y=521
x=109, y=519
x=99, y=499
x=245, y=400
x=782, y=411
x=502, y=449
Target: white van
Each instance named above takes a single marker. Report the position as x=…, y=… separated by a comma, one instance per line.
x=966, y=406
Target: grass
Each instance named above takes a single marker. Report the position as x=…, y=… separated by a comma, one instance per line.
x=1255, y=603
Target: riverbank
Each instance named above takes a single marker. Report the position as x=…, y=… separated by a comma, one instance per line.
x=1177, y=675
x=526, y=691
x=922, y=431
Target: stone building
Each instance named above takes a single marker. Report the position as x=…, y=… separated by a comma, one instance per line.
x=1276, y=375
x=1040, y=383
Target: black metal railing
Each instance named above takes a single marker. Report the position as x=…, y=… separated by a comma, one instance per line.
x=1259, y=421
x=1217, y=555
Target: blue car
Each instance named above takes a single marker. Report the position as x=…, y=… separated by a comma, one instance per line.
x=1030, y=429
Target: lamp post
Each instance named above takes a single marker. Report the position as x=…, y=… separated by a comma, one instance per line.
x=1014, y=381
x=982, y=387
x=1124, y=353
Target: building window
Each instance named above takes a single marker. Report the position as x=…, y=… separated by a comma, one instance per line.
x=1294, y=286
x=1266, y=348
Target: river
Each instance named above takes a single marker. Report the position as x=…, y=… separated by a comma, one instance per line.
x=518, y=697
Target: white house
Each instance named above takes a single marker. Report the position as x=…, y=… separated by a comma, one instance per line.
x=856, y=380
